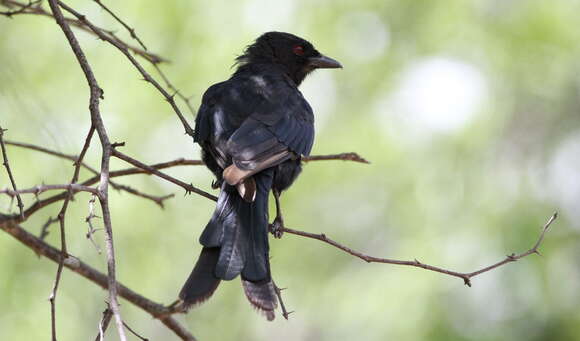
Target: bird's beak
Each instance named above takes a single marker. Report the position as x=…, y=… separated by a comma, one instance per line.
x=324, y=62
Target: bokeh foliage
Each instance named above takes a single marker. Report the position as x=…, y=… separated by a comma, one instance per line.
x=468, y=111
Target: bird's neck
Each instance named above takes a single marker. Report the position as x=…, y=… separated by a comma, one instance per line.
x=297, y=75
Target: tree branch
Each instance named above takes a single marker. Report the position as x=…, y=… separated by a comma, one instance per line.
x=146, y=76
x=466, y=276
x=10, y=176
x=73, y=263
x=343, y=156
x=23, y=8
x=188, y=187
x=97, y=123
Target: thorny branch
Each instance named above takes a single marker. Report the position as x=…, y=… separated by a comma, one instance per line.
x=466, y=276
x=146, y=76
x=36, y=9
x=73, y=263
x=10, y=223
x=96, y=93
x=9, y=171
x=61, y=220
x=119, y=187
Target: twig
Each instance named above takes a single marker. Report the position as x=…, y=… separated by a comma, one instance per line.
x=344, y=157
x=38, y=10
x=104, y=323
x=73, y=158
x=278, y=291
x=156, y=199
x=134, y=332
x=21, y=10
x=146, y=76
x=76, y=265
x=38, y=189
x=44, y=229
x=466, y=276
x=129, y=171
x=89, y=221
x=7, y=166
x=187, y=187
x=97, y=123
x=131, y=30
x=61, y=219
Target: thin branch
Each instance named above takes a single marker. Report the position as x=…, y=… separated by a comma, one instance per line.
x=134, y=332
x=23, y=8
x=343, y=156
x=127, y=27
x=73, y=158
x=89, y=221
x=187, y=187
x=38, y=189
x=97, y=123
x=146, y=76
x=278, y=291
x=44, y=229
x=156, y=199
x=61, y=219
x=104, y=324
x=10, y=176
x=466, y=276
x=73, y=263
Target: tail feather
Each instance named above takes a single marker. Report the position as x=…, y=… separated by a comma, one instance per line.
x=237, y=237
x=262, y=296
x=202, y=282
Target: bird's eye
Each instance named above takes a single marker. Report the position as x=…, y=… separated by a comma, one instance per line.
x=298, y=50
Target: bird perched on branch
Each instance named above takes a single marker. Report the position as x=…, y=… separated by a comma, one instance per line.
x=253, y=130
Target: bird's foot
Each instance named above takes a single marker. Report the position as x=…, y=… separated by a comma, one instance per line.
x=277, y=227
x=215, y=184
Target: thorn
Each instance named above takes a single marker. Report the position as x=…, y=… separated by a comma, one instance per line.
x=467, y=281
x=117, y=144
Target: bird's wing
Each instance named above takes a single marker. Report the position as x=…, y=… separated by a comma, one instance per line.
x=279, y=127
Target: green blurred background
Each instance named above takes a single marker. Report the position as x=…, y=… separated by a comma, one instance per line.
x=467, y=110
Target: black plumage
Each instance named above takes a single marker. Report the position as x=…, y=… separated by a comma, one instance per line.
x=253, y=130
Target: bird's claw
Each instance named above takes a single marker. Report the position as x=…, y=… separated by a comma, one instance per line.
x=215, y=184
x=277, y=228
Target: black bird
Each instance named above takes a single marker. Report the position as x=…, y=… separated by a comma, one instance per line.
x=253, y=130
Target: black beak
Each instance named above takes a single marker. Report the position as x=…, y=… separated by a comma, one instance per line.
x=323, y=62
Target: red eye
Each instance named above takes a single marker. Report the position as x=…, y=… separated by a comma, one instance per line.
x=298, y=50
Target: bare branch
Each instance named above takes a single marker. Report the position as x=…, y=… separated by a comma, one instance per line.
x=38, y=189
x=129, y=29
x=146, y=76
x=23, y=8
x=278, y=291
x=10, y=176
x=73, y=263
x=156, y=199
x=344, y=157
x=97, y=123
x=104, y=324
x=466, y=276
x=134, y=332
x=187, y=187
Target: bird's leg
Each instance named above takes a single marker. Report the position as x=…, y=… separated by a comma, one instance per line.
x=217, y=183
x=278, y=223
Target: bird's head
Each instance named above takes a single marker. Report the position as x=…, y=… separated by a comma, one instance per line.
x=295, y=55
